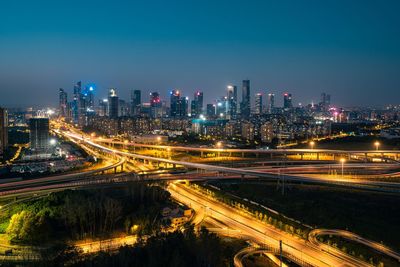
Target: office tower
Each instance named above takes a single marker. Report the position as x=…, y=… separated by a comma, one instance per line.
x=39, y=134
x=63, y=103
x=258, y=104
x=197, y=104
x=174, y=103
x=136, y=102
x=113, y=102
x=245, y=105
x=103, y=107
x=3, y=130
x=325, y=101
x=76, y=107
x=222, y=107
x=123, y=108
x=232, y=101
x=287, y=101
x=184, y=107
x=271, y=103
x=88, y=97
x=155, y=105
x=210, y=110
x=267, y=132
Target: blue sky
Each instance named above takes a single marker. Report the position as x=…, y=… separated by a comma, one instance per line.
x=347, y=48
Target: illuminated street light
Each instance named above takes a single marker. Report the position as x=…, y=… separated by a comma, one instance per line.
x=342, y=160
x=377, y=144
x=158, y=138
x=219, y=144
x=312, y=144
x=93, y=134
x=53, y=142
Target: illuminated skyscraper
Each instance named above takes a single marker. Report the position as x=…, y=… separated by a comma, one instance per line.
x=245, y=105
x=174, y=103
x=232, y=101
x=197, y=104
x=287, y=101
x=113, y=103
x=155, y=105
x=3, y=130
x=136, y=102
x=63, y=103
x=258, y=104
x=210, y=110
x=76, y=104
x=271, y=103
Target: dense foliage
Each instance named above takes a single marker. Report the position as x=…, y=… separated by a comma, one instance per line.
x=75, y=214
x=175, y=249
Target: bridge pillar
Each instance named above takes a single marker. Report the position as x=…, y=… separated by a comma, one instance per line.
x=242, y=154
x=115, y=170
x=174, y=166
x=366, y=157
x=317, y=156
x=349, y=156
x=122, y=167
x=201, y=154
x=301, y=156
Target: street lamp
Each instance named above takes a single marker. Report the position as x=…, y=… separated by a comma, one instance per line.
x=53, y=142
x=342, y=161
x=219, y=144
x=312, y=144
x=377, y=144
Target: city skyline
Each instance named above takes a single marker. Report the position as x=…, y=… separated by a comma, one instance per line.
x=339, y=47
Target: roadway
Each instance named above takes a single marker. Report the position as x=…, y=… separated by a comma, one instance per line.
x=261, y=233
x=338, y=180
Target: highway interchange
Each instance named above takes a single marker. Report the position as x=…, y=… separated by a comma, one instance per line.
x=307, y=252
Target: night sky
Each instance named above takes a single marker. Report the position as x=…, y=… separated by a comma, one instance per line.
x=350, y=49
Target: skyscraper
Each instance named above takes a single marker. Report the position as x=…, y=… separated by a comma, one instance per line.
x=232, y=101
x=245, y=105
x=39, y=134
x=113, y=103
x=76, y=106
x=287, y=101
x=210, y=110
x=155, y=105
x=63, y=103
x=271, y=103
x=175, y=103
x=197, y=104
x=3, y=130
x=136, y=102
x=258, y=104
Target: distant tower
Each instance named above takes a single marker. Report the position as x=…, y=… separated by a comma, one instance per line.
x=175, y=104
x=245, y=105
x=287, y=101
x=113, y=103
x=63, y=103
x=197, y=104
x=77, y=103
x=136, y=102
x=271, y=103
x=232, y=101
x=155, y=105
x=258, y=104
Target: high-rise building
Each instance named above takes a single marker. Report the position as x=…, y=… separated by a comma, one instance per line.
x=210, y=110
x=155, y=105
x=63, y=103
x=222, y=107
x=39, y=134
x=76, y=107
x=113, y=102
x=258, y=104
x=174, y=103
x=267, y=132
x=245, y=105
x=184, y=107
x=197, y=104
x=136, y=102
x=287, y=101
x=271, y=103
x=3, y=130
x=103, y=107
x=232, y=101
x=325, y=101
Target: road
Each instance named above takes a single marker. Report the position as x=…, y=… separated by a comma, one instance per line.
x=352, y=237
x=261, y=233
